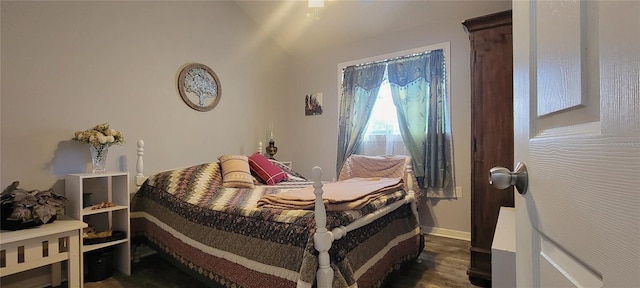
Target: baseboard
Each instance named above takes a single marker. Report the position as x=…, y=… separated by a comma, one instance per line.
x=442, y=232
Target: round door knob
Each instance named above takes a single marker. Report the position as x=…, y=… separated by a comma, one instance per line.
x=502, y=178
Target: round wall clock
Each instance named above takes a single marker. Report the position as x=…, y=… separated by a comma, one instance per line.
x=199, y=87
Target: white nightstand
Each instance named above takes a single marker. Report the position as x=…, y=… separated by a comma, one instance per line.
x=503, y=249
x=112, y=187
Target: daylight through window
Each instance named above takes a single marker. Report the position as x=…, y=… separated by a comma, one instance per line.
x=398, y=105
x=382, y=136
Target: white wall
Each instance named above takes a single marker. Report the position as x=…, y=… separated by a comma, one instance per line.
x=67, y=66
x=317, y=135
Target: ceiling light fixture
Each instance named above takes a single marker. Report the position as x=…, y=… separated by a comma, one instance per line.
x=316, y=3
x=314, y=7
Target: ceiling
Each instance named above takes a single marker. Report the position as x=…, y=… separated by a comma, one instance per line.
x=344, y=21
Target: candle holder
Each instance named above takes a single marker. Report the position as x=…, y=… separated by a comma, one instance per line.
x=271, y=149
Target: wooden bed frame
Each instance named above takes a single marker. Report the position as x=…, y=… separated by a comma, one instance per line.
x=323, y=238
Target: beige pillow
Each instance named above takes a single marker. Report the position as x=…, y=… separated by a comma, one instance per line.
x=235, y=171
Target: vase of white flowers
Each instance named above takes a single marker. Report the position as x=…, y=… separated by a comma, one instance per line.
x=99, y=157
x=99, y=138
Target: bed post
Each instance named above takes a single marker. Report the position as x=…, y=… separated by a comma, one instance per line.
x=140, y=165
x=409, y=176
x=414, y=204
x=322, y=238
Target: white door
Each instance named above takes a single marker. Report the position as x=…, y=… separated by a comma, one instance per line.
x=577, y=128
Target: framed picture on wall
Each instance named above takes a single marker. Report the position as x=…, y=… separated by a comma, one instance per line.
x=313, y=104
x=199, y=87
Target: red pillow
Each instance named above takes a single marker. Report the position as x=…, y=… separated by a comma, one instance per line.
x=265, y=170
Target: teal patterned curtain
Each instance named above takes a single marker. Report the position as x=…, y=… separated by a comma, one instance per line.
x=418, y=90
x=360, y=85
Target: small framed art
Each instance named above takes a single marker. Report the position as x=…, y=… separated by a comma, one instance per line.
x=313, y=104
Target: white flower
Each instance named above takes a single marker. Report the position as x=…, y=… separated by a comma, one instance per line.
x=101, y=138
x=99, y=135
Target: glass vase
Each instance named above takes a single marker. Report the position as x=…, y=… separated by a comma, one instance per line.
x=99, y=157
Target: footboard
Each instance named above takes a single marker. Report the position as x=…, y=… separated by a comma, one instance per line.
x=323, y=238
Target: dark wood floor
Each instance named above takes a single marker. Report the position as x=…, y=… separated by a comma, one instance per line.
x=444, y=264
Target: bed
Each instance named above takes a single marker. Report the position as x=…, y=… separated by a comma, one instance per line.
x=243, y=237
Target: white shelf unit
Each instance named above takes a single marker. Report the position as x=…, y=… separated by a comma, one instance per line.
x=104, y=187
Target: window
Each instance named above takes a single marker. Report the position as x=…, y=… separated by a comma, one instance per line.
x=398, y=104
x=382, y=136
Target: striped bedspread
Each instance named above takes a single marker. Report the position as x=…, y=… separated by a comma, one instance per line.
x=221, y=235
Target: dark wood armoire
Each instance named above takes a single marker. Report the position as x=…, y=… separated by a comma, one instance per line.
x=491, y=132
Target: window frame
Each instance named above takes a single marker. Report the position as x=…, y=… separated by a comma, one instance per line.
x=446, y=49
x=445, y=46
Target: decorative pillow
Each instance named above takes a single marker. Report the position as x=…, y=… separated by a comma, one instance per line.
x=235, y=171
x=265, y=170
